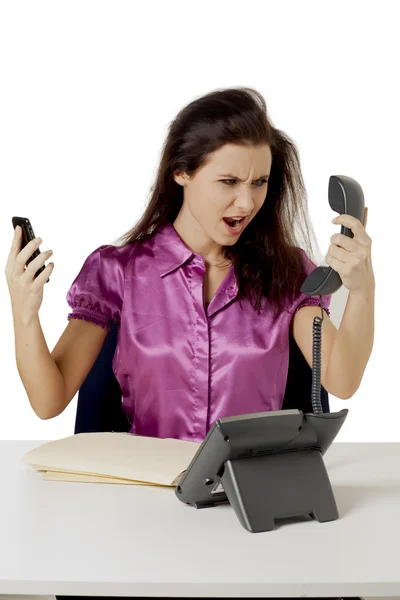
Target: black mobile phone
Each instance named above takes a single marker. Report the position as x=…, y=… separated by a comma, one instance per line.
x=27, y=236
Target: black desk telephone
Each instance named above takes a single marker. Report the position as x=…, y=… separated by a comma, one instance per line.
x=269, y=465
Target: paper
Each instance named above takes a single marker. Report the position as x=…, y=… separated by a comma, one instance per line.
x=59, y=476
x=51, y=473
x=117, y=456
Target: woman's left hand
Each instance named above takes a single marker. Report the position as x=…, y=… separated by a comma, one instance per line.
x=351, y=257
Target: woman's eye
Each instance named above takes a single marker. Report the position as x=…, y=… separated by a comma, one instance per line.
x=263, y=181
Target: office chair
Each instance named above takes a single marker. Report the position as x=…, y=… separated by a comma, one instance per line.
x=99, y=399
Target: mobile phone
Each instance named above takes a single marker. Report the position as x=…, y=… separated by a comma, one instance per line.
x=27, y=236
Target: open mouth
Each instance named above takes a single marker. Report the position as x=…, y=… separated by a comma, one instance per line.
x=233, y=222
x=234, y=226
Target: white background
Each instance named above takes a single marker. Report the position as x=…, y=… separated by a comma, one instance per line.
x=88, y=90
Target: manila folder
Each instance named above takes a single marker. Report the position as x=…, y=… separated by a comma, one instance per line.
x=123, y=457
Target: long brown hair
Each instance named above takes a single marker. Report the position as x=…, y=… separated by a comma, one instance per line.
x=266, y=257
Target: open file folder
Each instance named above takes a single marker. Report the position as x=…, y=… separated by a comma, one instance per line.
x=111, y=457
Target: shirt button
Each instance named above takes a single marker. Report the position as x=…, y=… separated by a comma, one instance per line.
x=199, y=262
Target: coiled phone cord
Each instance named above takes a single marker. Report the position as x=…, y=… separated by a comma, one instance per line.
x=316, y=362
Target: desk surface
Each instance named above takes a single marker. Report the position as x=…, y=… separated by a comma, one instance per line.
x=105, y=539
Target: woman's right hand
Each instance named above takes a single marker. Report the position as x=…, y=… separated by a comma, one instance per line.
x=26, y=291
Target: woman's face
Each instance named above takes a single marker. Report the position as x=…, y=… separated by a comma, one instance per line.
x=233, y=183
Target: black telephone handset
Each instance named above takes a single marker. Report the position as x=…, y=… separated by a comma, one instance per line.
x=345, y=197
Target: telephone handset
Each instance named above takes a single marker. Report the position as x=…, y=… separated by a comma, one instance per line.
x=345, y=197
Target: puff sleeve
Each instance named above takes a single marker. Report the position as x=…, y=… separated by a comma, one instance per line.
x=96, y=294
x=303, y=299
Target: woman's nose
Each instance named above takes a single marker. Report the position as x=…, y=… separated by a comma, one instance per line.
x=245, y=201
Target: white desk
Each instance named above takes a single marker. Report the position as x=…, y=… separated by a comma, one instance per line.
x=104, y=539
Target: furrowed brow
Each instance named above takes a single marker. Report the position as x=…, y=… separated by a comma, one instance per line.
x=233, y=177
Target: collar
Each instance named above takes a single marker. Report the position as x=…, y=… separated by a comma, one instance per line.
x=171, y=252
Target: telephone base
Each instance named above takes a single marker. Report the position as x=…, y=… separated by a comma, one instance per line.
x=262, y=489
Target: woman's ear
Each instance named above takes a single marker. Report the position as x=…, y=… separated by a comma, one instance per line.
x=179, y=177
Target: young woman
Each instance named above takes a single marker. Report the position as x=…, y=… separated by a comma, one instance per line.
x=205, y=288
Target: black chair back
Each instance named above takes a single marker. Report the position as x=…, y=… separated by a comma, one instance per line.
x=99, y=397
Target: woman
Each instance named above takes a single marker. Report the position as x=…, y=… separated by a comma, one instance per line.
x=205, y=288
x=204, y=303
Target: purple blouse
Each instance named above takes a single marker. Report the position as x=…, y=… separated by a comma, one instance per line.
x=182, y=365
